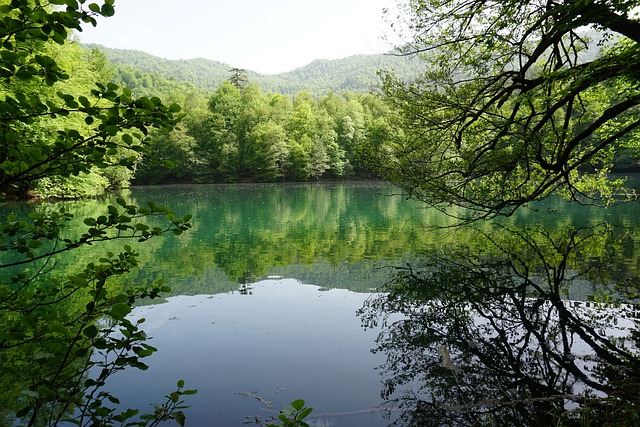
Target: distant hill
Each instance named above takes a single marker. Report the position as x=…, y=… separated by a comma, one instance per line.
x=357, y=73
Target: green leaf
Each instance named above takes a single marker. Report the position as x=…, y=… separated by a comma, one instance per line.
x=112, y=130
x=40, y=356
x=84, y=101
x=127, y=139
x=90, y=331
x=297, y=404
x=108, y=10
x=129, y=413
x=24, y=411
x=180, y=418
x=305, y=413
x=119, y=311
x=113, y=399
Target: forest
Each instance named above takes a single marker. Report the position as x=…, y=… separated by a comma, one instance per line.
x=233, y=133
x=297, y=126
x=246, y=135
x=357, y=73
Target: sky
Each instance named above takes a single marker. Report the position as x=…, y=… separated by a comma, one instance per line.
x=267, y=36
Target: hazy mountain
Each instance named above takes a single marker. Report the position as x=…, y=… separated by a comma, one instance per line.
x=356, y=73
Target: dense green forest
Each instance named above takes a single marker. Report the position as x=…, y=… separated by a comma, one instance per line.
x=321, y=121
x=236, y=132
x=244, y=134
x=318, y=121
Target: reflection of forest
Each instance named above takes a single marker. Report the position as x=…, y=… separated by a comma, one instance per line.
x=490, y=337
x=332, y=235
x=246, y=232
x=250, y=232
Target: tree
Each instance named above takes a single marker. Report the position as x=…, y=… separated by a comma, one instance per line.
x=113, y=122
x=218, y=140
x=485, y=332
x=238, y=77
x=269, y=151
x=66, y=334
x=519, y=100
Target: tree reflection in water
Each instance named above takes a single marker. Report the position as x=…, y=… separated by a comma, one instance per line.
x=488, y=335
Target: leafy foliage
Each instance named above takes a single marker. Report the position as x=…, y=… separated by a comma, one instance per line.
x=247, y=135
x=293, y=415
x=51, y=132
x=514, y=104
x=64, y=335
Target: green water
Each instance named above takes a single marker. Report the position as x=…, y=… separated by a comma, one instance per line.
x=334, y=235
x=331, y=235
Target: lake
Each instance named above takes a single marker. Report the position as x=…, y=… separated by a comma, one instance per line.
x=267, y=285
x=266, y=291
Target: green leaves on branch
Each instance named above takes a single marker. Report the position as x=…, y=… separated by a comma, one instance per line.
x=25, y=20
x=52, y=133
x=29, y=239
x=64, y=335
x=293, y=415
x=24, y=23
x=115, y=122
x=64, y=342
x=520, y=105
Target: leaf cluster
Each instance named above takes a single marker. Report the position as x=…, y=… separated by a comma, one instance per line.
x=62, y=320
x=114, y=123
x=517, y=102
x=293, y=415
x=64, y=335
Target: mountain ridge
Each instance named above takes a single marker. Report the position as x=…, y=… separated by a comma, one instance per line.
x=356, y=73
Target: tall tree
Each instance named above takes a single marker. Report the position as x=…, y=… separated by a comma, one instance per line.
x=238, y=77
x=519, y=100
x=218, y=140
x=269, y=151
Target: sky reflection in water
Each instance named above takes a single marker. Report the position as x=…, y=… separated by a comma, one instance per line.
x=282, y=342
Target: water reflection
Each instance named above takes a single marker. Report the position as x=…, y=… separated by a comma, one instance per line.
x=490, y=325
x=493, y=337
x=250, y=356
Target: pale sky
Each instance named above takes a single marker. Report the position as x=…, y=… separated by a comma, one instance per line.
x=267, y=36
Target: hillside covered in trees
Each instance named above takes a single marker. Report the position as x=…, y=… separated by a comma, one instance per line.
x=318, y=122
x=357, y=73
x=245, y=134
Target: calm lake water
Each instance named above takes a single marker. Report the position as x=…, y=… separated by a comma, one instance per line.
x=266, y=287
x=266, y=291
